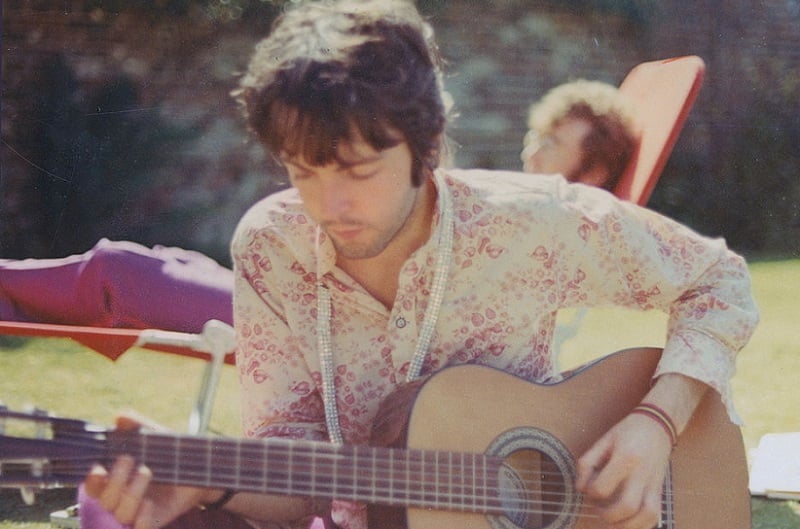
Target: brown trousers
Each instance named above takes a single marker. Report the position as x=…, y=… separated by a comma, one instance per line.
x=201, y=519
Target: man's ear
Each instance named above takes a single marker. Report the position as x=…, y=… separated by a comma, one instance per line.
x=442, y=155
x=596, y=175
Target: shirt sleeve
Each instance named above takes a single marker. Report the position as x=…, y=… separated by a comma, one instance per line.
x=631, y=256
x=279, y=394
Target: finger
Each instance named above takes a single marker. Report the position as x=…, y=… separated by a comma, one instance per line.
x=95, y=481
x=648, y=514
x=641, y=519
x=128, y=422
x=132, y=420
x=116, y=482
x=633, y=509
x=623, y=509
x=132, y=498
x=592, y=462
x=613, y=484
x=145, y=520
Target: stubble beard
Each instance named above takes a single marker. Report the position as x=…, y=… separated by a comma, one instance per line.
x=376, y=246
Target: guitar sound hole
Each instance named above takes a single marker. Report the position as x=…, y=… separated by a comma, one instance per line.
x=535, y=482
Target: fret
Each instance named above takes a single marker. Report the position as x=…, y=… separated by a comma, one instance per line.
x=277, y=470
x=251, y=470
x=423, y=485
x=489, y=486
x=354, y=470
x=484, y=476
x=440, y=494
x=450, y=480
x=264, y=472
x=666, y=516
x=143, y=449
x=221, y=463
x=366, y=481
x=373, y=468
x=384, y=479
x=176, y=466
x=313, y=488
x=433, y=471
x=335, y=474
x=391, y=477
x=209, y=464
x=407, y=477
x=458, y=487
x=473, y=486
x=290, y=475
x=193, y=456
x=469, y=480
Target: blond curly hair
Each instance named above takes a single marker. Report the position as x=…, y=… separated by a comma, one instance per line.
x=613, y=136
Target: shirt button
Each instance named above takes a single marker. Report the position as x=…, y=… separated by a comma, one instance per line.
x=400, y=322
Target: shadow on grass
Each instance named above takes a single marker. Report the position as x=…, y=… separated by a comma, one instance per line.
x=14, y=509
x=12, y=342
x=775, y=514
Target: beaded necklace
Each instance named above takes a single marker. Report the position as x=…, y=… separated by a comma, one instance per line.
x=324, y=344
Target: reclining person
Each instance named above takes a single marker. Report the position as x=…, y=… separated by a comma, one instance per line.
x=118, y=284
x=583, y=130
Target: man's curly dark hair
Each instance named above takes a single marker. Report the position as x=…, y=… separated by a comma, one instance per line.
x=325, y=74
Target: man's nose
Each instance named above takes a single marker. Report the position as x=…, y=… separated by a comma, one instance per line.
x=529, y=157
x=335, y=199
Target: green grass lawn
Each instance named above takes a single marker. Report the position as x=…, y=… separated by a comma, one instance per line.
x=69, y=380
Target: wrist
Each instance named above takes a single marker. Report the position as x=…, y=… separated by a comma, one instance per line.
x=677, y=395
x=660, y=417
x=215, y=500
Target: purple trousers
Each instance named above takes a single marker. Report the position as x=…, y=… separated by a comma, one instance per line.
x=118, y=284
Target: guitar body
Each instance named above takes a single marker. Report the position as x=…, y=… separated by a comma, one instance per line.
x=468, y=448
x=476, y=409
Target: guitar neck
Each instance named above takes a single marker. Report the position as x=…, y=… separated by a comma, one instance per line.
x=438, y=480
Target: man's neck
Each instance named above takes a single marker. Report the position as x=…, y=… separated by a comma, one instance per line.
x=379, y=275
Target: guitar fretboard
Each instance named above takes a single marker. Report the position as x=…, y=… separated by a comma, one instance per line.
x=410, y=478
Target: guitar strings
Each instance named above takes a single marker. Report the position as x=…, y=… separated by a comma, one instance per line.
x=553, y=508
x=160, y=451
x=157, y=458
x=423, y=468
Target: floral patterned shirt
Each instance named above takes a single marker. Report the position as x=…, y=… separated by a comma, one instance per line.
x=524, y=246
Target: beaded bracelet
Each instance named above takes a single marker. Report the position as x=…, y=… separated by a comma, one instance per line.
x=661, y=417
x=217, y=505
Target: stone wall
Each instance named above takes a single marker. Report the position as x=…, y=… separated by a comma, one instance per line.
x=120, y=122
x=123, y=110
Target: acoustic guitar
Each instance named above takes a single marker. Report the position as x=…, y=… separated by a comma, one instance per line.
x=470, y=448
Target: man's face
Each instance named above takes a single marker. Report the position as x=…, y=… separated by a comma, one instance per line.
x=558, y=151
x=363, y=201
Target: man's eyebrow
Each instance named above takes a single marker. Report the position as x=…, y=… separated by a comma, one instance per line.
x=343, y=164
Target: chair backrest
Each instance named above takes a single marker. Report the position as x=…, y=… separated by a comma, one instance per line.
x=663, y=92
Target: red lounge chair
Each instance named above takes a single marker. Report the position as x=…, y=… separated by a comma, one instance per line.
x=663, y=92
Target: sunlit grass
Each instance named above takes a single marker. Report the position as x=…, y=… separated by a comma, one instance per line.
x=69, y=380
